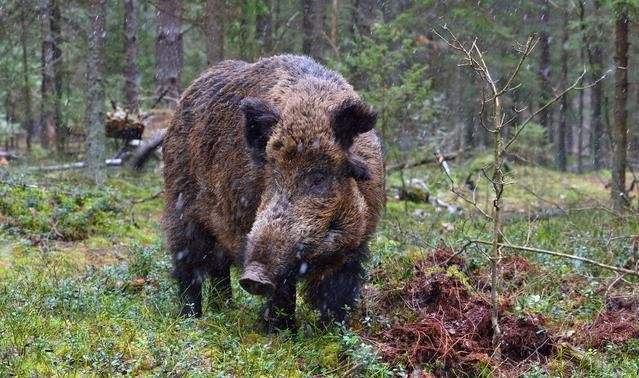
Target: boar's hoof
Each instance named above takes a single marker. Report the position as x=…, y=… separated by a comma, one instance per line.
x=255, y=280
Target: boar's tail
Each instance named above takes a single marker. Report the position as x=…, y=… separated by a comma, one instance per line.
x=144, y=152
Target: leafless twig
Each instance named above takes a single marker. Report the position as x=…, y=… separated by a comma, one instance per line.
x=564, y=255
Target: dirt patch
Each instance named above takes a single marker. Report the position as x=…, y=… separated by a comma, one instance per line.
x=392, y=298
x=513, y=270
x=451, y=325
x=442, y=256
x=525, y=337
x=83, y=255
x=617, y=324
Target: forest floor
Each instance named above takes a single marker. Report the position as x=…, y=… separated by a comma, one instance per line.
x=85, y=287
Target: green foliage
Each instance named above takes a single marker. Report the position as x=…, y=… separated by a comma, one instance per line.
x=364, y=358
x=532, y=144
x=62, y=311
x=386, y=69
x=58, y=214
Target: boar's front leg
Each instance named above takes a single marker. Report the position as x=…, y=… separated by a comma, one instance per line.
x=190, y=245
x=280, y=309
x=220, y=274
x=335, y=293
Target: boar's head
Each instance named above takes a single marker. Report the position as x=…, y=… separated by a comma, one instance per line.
x=311, y=210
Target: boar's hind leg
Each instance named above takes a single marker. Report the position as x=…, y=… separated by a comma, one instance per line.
x=280, y=309
x=190, y=244
x=335, y=293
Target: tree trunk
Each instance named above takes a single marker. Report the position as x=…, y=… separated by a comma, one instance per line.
x=214, y=36
x=168, y=51
x=26, y=87
x=131, y=76
x=95, y=117
x=597, y=134
x=620, y=127
x=545, y=87
x=247, y=35
x=265, y=21
x=50, y=52
x=596, y=58
x=363, y=16
x=313, y=15
x=58, y=73
x=333, y=38
x=562, y=132
x=580, y=131
x=469, y=130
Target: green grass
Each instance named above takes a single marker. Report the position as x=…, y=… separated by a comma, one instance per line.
x=94, y=296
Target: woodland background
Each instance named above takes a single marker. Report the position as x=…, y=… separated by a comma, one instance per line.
x=470, y=233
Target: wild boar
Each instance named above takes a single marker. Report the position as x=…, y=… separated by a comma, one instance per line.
x=272, y=166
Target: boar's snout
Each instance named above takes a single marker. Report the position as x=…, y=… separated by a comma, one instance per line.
x=256, y=281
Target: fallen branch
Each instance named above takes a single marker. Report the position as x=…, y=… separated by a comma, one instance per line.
x=76, y=165
x=560, y=254
x=8, y=155
x=424, y=161
x=537, y=215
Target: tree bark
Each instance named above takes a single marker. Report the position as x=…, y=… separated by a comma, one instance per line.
x=333, y=38
x=562, y=131
x=580, y=131
x=363, y=16
x=50, y=53
x=61, y=130
x=265, y=22
x=247, y=43
x=596, y=58
x=168, y=51
x=215, y=15
x=313, y=15
x=26, y=86
x=545, y=86
x=620, y=126
x=597, y=134
x=131, y=75
x=95, y=117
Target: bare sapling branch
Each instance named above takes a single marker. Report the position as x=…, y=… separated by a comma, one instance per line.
x=474, y=58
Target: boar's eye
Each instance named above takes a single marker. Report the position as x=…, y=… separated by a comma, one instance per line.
x=317, y=184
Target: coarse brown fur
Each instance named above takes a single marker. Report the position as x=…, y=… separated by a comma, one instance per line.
x=271, y=166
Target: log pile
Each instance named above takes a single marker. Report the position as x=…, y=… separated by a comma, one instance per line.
x=121, y=124
x=6, y=156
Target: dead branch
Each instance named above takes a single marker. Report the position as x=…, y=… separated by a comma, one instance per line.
x=76, y=165
x=424, y=161
x=560, y=254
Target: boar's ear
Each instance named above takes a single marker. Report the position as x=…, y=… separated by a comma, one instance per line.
x=259, y=119
x=351, y=118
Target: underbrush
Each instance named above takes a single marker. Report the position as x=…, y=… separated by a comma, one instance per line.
x=58, y=214
x=94, y=294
